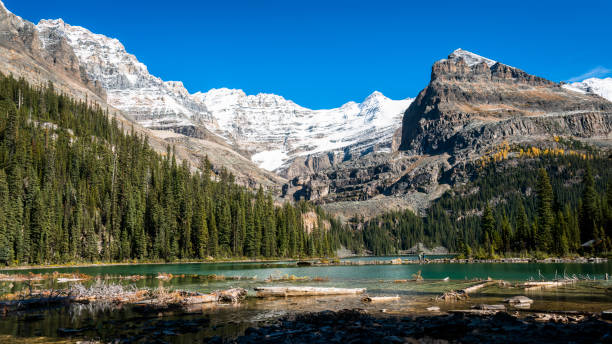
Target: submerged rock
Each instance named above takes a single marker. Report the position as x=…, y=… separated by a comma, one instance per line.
x=518, y=299
x=355, y=326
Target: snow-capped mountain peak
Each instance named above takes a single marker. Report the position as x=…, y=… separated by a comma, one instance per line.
x=273, y=129
x=470, y=58
x=601, y=87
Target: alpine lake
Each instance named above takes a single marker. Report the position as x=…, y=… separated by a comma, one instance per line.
x=592, y=292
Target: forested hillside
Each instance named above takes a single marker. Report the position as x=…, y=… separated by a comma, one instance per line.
x=75, y=187
x=542, y=201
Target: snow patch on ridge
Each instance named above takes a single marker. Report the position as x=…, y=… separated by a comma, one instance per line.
x=601, y=87
x=270, y=160
x=470, y=58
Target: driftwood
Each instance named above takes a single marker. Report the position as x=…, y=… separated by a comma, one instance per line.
x=233, y=295
x=66, y=280
x=305, y=291
x=380, y=298
x=473, y=311
x=534, y=286
x=477, y=287
x=452, y=296
x=486, y=307
x=463, y=294
x=197, y=299
x=164, y=276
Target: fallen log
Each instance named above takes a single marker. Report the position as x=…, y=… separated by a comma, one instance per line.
x=473, y=311
x=452, y=296
x=477, y=287
x=534, y=286
x=380, y=298
x=233, y=295
x=66, y=280
x=463, y=294
x=486, y=307
x=305, y=291
x=197, y=299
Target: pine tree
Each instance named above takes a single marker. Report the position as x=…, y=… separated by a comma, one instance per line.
x=506, y=235
x=522, y=240
x=202, y=239
x=487, y=227
x=588, y=211
x=608, y=225
x=560, y=235
x=545, y=212
x=250, y=246
x=6, y=249
x=224, y=226
x=213, y=237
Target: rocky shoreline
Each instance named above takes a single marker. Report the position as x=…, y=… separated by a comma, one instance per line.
x=318, y=261
x=357, y=326
x=399, y=260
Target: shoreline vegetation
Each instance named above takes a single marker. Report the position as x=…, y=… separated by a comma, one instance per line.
x=324, y=262
x=313, y=261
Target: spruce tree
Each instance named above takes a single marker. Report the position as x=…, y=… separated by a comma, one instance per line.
x=202, y=238
x=487, y=227
x=250, y=237
x=588, y=211
x=506, y=234
x=6, y=249
x=522, y=239
x=545, y=212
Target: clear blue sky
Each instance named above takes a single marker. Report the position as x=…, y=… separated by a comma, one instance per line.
x=322, y=54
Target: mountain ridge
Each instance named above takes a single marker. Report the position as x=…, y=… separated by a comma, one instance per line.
x=289, y=130
x=411, y=150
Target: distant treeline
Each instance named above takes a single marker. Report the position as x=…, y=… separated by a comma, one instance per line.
x=75, y=187
x=548, y=204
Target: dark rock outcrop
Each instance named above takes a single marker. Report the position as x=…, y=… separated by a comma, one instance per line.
x=469, y=106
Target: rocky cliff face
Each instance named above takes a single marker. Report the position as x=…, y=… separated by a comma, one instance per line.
x=147, y=99
x=266, y=128
x=41, y=58
x=45, y=52
x=471, y=103
x=471, y=106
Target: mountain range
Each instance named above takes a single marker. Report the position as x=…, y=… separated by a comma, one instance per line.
x=270, y=129
x=365, y=157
